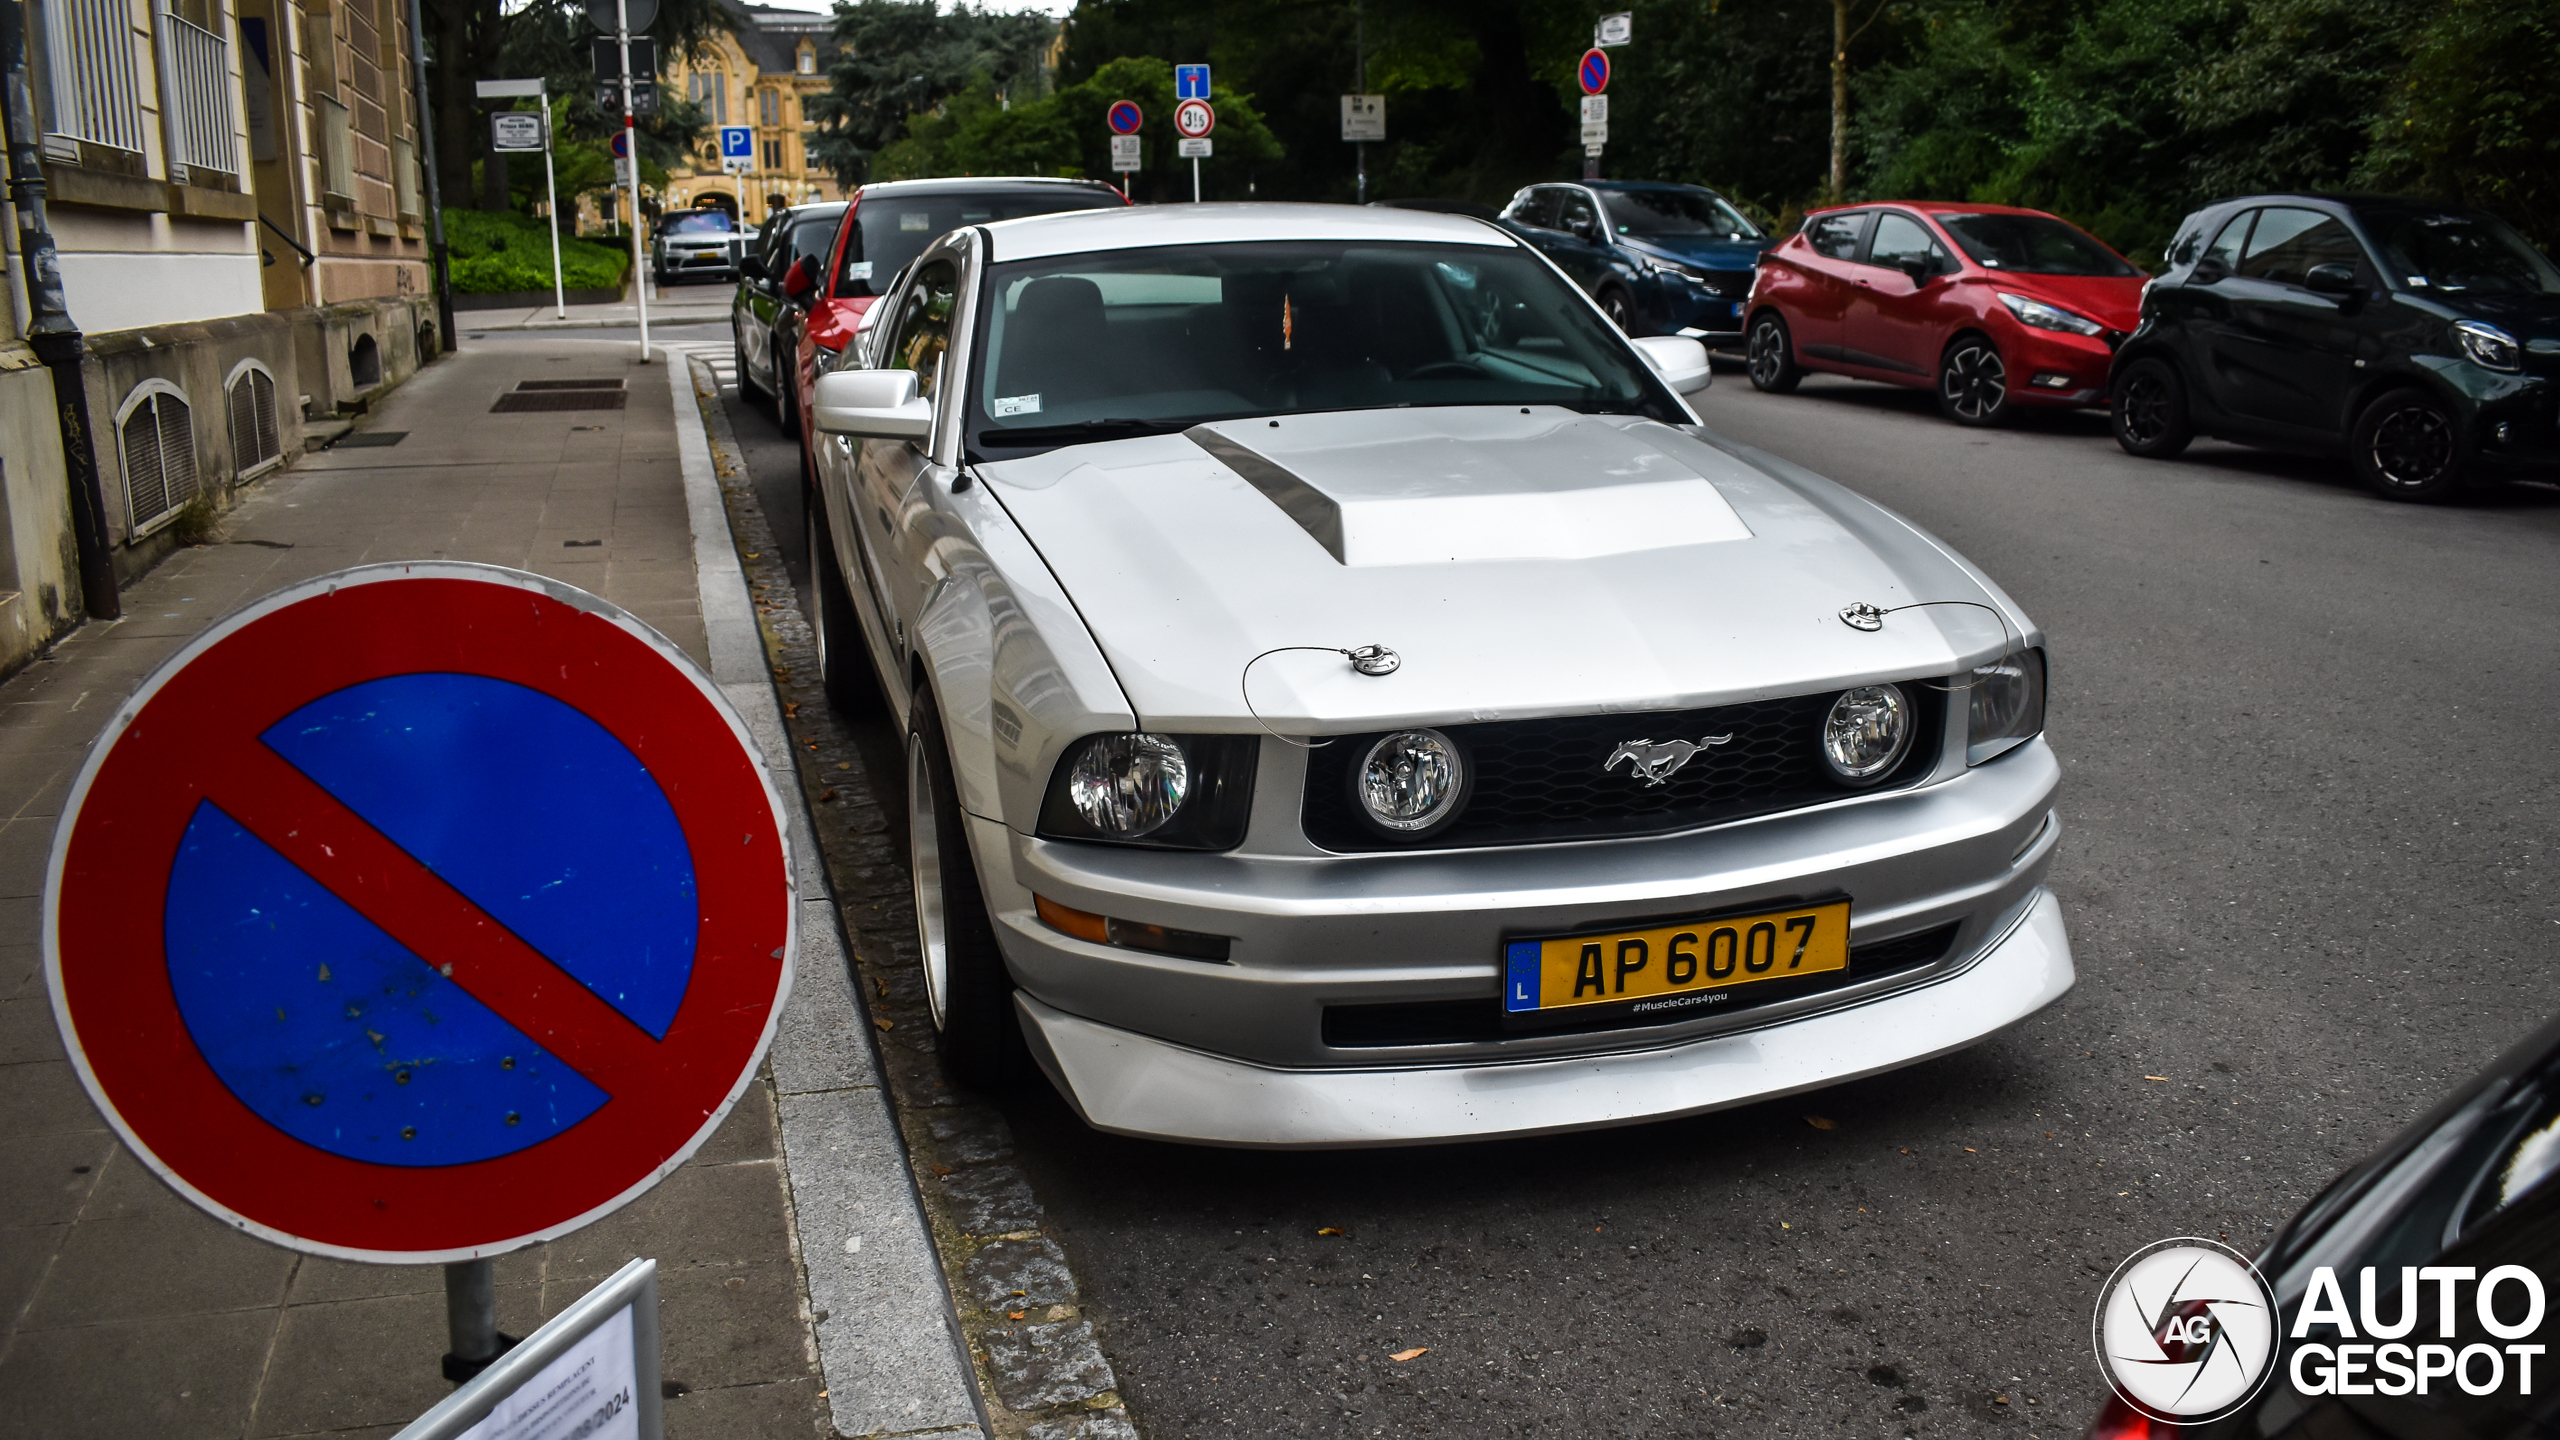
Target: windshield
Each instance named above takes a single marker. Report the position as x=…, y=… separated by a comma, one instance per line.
x=700, y=222
x=1663, y=214
x=890, y=230
x=2457, y=253
x=2032, y=245
x=1133, y=342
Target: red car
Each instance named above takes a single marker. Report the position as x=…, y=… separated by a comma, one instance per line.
x=1992, y=307
x=887, y=225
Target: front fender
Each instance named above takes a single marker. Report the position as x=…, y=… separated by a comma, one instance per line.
x=1017, y=675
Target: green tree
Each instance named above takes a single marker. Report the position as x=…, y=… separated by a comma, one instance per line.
x=1065, y=134
x=2474, y=117
x=903, y=58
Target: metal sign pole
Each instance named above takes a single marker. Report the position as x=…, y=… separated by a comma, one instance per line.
x=1360, y=86
x=471, y=1318
x=551, y=187
x=1195, y=179
x=631, y=142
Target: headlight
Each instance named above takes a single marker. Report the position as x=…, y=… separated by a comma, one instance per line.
x=1866, y=732
x=1128, y=785
x=2006, y=705
x=2487, y=346
x=1412, y=782
x=2036, y=314
x=1660, y=266
x=1180, y=792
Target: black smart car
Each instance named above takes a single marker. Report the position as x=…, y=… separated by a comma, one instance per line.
x=2422, y=340
x=2440, y=1213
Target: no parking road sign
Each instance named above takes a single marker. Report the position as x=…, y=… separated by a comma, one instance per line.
x=1125, y=117
x=420, y=912
x=1593, y=72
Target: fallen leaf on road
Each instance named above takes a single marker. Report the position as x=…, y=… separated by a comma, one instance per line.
x=1818, y=1123
x=791, y=708
x=941, y=1169
x=826, y=795
x=1404, y=1355
x=1328, y=1229
x=1969, y=1150
x=2162, y=1078
x=1013, y=1314
x=884, y=1022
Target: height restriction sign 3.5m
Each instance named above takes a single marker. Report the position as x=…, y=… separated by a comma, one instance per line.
x=420, y=912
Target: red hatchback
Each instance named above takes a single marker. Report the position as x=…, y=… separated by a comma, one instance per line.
x=1991, y=307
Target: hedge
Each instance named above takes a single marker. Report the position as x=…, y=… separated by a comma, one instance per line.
x=494, y=253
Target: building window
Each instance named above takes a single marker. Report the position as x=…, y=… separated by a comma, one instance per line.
x=195, y=96
x=252, y=405
x=808, y=58
x=90, y=89
x=405, y=177
x=710, y=90
x=337, y=155
x=155, y=431
x=769, y=106
x=773, y=154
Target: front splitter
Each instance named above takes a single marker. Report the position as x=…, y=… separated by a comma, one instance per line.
x=1132, y=1084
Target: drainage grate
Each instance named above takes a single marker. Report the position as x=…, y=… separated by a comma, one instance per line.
x=569, y=384
x=368, y=439
x=518, y=402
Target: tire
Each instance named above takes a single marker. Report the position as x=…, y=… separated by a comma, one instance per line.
x=747, y=386
x=2148, y=410
x=1773, y=355
x=966, y=984
x=1973, y=382
x=1621, y=311
x=844, y=661
x=786, y=393
x=2408, y=445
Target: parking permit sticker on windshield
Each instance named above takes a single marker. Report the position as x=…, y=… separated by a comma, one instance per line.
x=1017, y=405
x=913, y=220
x=858, y=270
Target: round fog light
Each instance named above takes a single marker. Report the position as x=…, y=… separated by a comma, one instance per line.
x=1866, y=732
x=1128, y=785
x=1411, y=782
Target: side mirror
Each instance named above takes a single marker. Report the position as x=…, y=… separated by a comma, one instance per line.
x=798, y=281
x=750, y=268
x=1918, y=267
x=2331, y=279
x=1680, y=361
x=872, y=404
x=2210, y=269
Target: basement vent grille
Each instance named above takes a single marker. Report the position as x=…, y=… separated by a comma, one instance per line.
x=158, y=439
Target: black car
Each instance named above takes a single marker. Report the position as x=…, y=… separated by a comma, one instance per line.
x=1661, y=259
x=2461, y=1193
x=770, y=305
x=2420, y=339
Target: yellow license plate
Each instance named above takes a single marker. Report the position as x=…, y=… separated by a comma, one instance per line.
x=1674, y=967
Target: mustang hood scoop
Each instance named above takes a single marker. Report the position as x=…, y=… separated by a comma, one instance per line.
x=1385, y=487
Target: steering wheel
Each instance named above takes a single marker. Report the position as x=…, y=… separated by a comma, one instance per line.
x=1446, y=370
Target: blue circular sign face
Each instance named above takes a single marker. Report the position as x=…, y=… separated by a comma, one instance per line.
x=1594, y=74
x=1125, y=117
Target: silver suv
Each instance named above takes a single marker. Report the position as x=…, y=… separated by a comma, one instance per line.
x=698, y=242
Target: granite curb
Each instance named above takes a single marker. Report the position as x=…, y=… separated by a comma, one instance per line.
x=1037, y=1355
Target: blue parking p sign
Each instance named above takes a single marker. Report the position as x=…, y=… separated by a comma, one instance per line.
x=1190, y=82
x=737, y=142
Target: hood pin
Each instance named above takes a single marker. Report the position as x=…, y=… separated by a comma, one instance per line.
x=1374, y=660
x=1862, y=616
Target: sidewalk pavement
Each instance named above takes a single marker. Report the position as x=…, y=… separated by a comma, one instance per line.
x=128, y=1312
x=680, y=305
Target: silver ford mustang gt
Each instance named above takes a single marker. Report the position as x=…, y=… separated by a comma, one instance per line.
x=1352, y=701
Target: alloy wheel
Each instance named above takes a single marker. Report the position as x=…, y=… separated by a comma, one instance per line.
x=2412, y=446
x=1768, y=353
x=924, y=862
x=1614, y=305
x=2146, y=409
x=1974, y=382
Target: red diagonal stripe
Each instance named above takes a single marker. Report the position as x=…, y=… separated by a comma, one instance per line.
x=415, y=906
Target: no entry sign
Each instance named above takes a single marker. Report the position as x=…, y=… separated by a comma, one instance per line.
x=420, y=912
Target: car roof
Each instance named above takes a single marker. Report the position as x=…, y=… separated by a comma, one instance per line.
x=983, y=183
x=1152, y=226
x=1637, y=185
x=1937, y=207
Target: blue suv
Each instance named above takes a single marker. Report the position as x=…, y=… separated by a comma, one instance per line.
x=1661, y=259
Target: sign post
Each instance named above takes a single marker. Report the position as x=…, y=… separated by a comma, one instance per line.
x=1593, y=75
x=419, y=913
x=1124, y=118
x=622, y=32
x=737, y=148
x=1193, y=120
x=592, y=1370
x=515, y=130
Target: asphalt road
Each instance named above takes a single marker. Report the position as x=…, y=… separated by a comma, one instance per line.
x=2308, y=740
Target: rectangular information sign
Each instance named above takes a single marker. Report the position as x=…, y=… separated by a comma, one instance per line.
x=1364, y=117
x=1615, y=29
x=1124, y=152
x=1594, y=133
x=516, y=130
x=1190, y=82
x=1595, y=109
x=590, y=1374
x=1195, y=149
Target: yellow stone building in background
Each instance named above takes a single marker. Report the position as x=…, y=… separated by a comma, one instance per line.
x=761, y=73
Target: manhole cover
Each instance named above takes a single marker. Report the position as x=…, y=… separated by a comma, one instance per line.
x=568, y=384
x=368, y=439
x=517, y=402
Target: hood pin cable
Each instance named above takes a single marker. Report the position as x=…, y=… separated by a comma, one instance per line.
x=1870, y=618
x=1372, y=660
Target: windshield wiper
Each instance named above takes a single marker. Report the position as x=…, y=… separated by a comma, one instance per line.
x=1076, y=430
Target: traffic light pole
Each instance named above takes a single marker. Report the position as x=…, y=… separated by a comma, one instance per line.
x=631, y=158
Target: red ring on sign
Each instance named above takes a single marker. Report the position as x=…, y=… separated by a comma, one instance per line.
x=191, y=733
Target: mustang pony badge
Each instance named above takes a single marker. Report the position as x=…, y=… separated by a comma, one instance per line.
x=1653, y=763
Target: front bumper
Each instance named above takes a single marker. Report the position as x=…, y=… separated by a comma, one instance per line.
x=2055, y=367
x=1131, y=1084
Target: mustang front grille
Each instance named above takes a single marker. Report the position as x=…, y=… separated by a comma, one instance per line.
x=1544, y=780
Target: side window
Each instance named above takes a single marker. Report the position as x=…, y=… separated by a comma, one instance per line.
x=923, y=332
x=1578, y=215
x=2289, y=242
x=1540, y=208
x=2235, y=233
x=809, y=241
x=1898, y=238
x=1836, y=237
